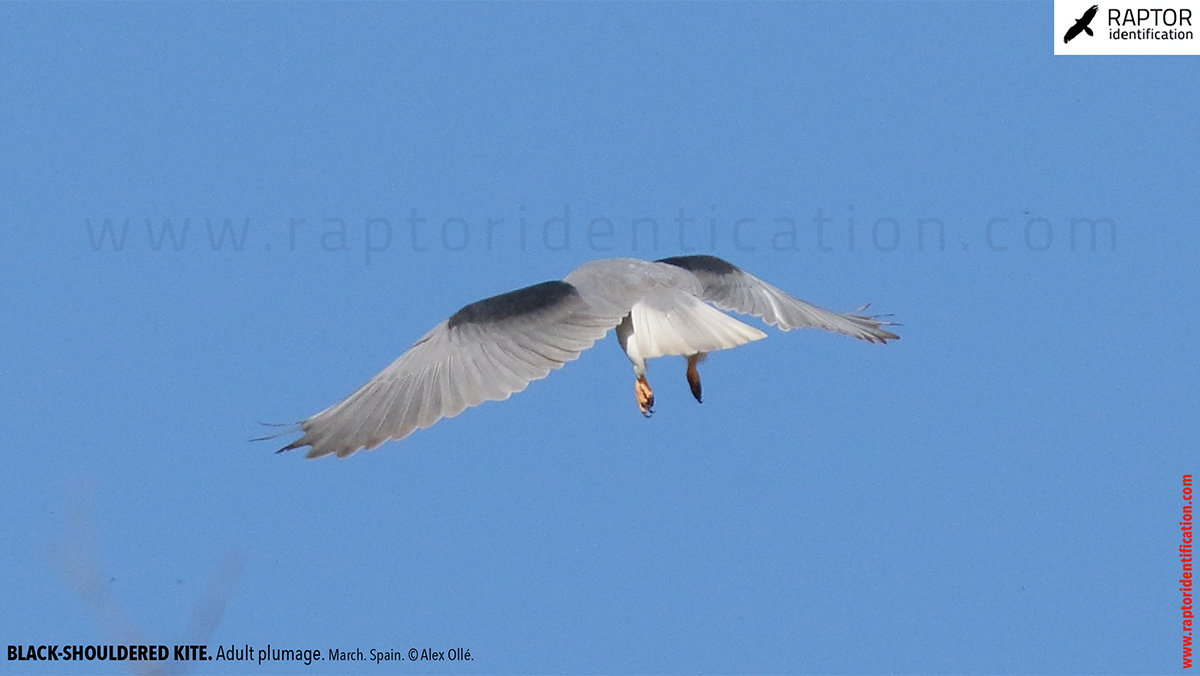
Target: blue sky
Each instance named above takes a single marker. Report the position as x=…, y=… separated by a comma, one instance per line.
x=997, y=492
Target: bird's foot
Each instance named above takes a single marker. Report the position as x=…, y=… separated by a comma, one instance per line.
x=693, y=376
x=645, y=396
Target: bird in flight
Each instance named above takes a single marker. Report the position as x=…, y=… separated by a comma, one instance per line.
x=1081, y=25
x=490, y=349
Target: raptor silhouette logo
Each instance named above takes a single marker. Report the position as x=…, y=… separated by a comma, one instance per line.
x=1081, y=26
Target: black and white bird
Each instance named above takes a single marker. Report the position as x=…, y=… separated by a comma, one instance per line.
x=490, y=349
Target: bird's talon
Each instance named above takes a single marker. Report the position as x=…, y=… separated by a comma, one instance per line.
x=645, y=396
x=693, y=376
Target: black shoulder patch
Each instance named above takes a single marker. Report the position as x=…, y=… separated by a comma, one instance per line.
x=701, y=264
x=513, y=304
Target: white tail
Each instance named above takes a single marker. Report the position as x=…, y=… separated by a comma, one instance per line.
x=688, y=327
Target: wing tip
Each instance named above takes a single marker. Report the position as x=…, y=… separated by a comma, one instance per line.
x=291, y=428
x=872, y=325
x=314, y=450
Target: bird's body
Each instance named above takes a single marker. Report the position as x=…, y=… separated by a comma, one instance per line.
x=490, y=349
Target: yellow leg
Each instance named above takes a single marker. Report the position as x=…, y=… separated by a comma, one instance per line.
x=645, y=396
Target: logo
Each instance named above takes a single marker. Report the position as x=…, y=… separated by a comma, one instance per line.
x=1081, y=25
x=1126, y=27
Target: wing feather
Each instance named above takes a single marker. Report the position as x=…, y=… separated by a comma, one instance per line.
x=481, y=358
x=730, y=288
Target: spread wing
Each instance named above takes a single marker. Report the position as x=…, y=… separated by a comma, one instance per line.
x=484, y=352
x=730, y=288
